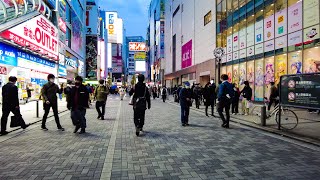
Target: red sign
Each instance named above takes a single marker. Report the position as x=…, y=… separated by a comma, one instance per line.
x=137, y=46
x=62, y=25
x=37, y=34
x=3, y=70
x=186, y=55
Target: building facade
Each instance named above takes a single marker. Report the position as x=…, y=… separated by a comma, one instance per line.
x=190, y=38
x=264, y=40
x=136, y=59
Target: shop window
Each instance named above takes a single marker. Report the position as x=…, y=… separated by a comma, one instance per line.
x=250, y=76
x=250, y=6
x=235, y=74
x=229, y=7
x=280, y=67
x=295, y=62
x=311, y=60
x=259, y=15
x=280, y=5
x=269, y=75
x=219, y=40
x=269, y=10
x=229, y=73
x=259, y=79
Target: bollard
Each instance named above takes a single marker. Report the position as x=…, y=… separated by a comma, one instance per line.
x=37, y=109
x=263, y=115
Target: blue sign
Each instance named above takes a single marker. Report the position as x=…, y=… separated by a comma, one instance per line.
x=8, y=55
x=62, y=71
x=40, y=82
x=52, y=3
x=71, y=62
x=21, y=54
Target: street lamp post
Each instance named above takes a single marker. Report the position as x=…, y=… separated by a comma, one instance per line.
x=218, y=53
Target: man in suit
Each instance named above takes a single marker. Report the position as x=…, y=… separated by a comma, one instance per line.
x=225, y=95
x=185, y=103
x=10, y=103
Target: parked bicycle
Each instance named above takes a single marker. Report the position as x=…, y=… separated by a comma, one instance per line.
x=289, y=119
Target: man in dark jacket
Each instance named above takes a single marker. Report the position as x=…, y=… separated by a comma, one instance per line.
x=49, y=93
x=274, y=95
x=247, y=95
x=142, y=96
x=10, y=103
x=185, y=103
x=78, y=103
x=225, y=95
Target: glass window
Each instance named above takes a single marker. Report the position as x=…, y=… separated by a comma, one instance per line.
x=250, y=6
x=295, y=62
x=219, y=40
x=259, y=15
x=219, y=12
x=258, y=3
x=68, y=37
x=291, y=2
x=269, y=75
x=311, y=60
x=68, y=13
x=280, y=5
x=229, y=7
x=250, y=76
x=242, y=12
x=269, y=10
x=280, y=67
x=259, y=79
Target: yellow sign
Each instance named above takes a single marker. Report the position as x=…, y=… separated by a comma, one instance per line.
x=140, y=56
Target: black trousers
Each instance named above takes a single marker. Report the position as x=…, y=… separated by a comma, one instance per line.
x=235, y=106
x=210, y=103
x=54, y=107
x=101, y=104
x=5, y=114
x=224, y=105
x=197, y=100
x=271, y=102
x=139, y=116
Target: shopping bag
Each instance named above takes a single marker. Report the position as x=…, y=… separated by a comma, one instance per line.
x=132, y=100
x=249, y=104
x=15, y=121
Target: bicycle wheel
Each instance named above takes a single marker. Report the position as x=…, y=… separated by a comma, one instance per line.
x=256, y=113
x=289, y=119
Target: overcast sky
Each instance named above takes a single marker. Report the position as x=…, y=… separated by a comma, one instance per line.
x=133, y=12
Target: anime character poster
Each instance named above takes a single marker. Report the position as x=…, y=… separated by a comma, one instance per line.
x=250, y=76
x=229, y=73
x=235, y=74
x=295, y=63
x=259, y=80
x=311, y=65
x=242, y=74
x=269, y=75
x=280, y=67
x=91, y=57
x=223, y=70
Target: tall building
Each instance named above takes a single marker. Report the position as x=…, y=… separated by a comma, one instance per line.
x=266, y=39
x=190, y=41
x=41, y=37
x=155, y=41
x=136, y=56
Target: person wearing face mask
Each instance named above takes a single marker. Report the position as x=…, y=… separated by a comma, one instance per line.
x=78, y=103
x=49, y=93
x=10, y=103
x=185, y=103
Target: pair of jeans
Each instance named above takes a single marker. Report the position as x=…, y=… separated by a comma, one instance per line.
x=185, y=110
x=100, y=104
x=5, y=114
x=54, y=107
x=139, y=117
x=210, y=103
x=225, y=104
x=78, y=117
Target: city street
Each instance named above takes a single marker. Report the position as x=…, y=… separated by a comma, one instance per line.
x=166, y=150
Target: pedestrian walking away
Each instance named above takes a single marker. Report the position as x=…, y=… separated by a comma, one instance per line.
x=49, y=93
x=274, y=96
x=78, y=103
x=101, y=94
x=141, y=97
x=185, y=103
x=225, y=95
x=197, y=95
x=10, y=103
x=164, y=92
x=246, y=100
x=235, y=99
x=210, y=97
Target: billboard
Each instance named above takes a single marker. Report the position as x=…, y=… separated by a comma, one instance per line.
x=111, y=24
x=295, y=17
x=140, y=56
x=92, y=18
x=137, y=46
x=186, y=52
x=140, y=66
x=38, y=34
x=8, y=55
x=119, y=29
x=76, y=35
x=91, y=56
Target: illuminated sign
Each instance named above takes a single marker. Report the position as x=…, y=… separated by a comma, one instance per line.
x=71, y=62
x=111, y=23
x=137, y=46
x=37, y=34
x=62, y=25
x=3, y=70
x=139, y=56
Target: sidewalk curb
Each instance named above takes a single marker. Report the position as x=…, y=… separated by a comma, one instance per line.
x=293, y=136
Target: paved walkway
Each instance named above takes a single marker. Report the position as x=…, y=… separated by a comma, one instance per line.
x=110, y=149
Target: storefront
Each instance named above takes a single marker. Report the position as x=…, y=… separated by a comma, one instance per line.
x=267, y=39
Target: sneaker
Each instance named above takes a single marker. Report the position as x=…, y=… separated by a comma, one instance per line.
x=187, y=124
x=183, y=125
x=102, y=118
x=137, y=131
x=61, y=129
x=82, y=131
x=3, y=133
x=76, y=129
x=233, y=113
x=44, y=128
x=25, y=126
x=98, y=117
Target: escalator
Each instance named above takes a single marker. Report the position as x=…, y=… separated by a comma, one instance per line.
x=14, y=12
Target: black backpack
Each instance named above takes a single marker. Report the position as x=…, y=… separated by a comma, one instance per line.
x=141, y=102
x=164, y=91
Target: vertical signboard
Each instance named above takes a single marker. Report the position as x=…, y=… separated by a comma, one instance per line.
x=92, y=18
x=186, y=51
x=111, y=18
x=310, y=13
x=91, y=57
x=258, y=32
x=242, y=38
x=281, y=23
x=269, y=28
x=295, y=17
x=250, y=35
x=235, y=42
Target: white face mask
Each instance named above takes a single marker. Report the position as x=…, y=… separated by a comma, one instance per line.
x=211, y=82
x=51, y=80
x=188, y=87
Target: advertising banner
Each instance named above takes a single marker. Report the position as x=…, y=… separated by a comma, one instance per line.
x=235, y=42
x=91, y=56
x=242, y=74
x=37, y=34
x=111, y=18
x=92, y=18
x=76, y=37
x=250, y=51
x=281, y=42
x=258, y=49
x=229, y=73
x=269, y=46
x=235, y=74
x=259, y=80
x=186, y=52
x=229, y=57
x=269, y=75
x=243, y=53
x=281, y=23
x=229, y=44
x=137, y=46
x=250, y=35
x=310, y=13
x=269, y=28
x=140, y=56
x=295, y=17
x=295, y=63
x=250, y=76
x=8, y=55
x=295, y=38
x=300, y=90
x=243, y=38
x=258, y=32
x=235, y=55
x=280, y=67
x=81, y=69
x=311, y=33
x=62, y=72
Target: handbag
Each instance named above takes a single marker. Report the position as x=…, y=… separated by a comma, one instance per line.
x=132, y=100
x=15, y=122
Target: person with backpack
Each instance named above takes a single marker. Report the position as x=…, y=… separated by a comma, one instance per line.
x=164, y=92
x=141, y=98
x=247, y=95
x=49, y=93
x=101, y=94
x=185, y=103
x=225, y=95
x=274, y=96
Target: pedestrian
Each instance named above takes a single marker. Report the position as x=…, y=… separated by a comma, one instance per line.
x=78, y=103
x=28, y=93
x=185, y=103
x=225, y=96
x=210, y=97
x=164, y=92
x=142, y=100
x=274, y=96
x=197, y=94
x=122, y=93
x=67, y=91
x=101, y=94
x=154, y=92
x=235, y=99
x=49, y=93
x=90, y=92
x=10, y=103
x=60, y=92
x=247, y=95
x=178, y=93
